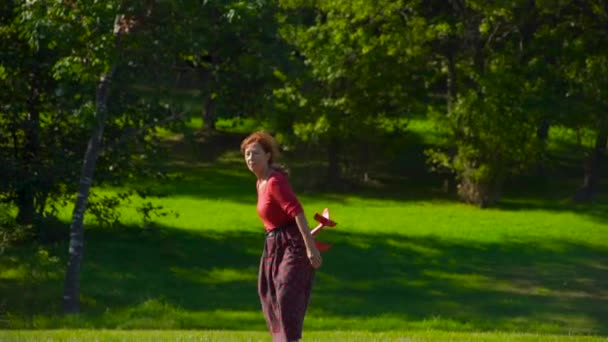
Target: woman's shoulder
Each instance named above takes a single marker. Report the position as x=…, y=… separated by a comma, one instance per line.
x=277, y=176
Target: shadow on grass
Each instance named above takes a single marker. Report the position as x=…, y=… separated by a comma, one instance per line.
x=226, y=181
x=550, y=194
x=229, y=179
x=486, y=285
x=544, y=286
x=193, y=146
x=209, y=166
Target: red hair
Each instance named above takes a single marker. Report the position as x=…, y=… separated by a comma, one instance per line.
x=268, y=144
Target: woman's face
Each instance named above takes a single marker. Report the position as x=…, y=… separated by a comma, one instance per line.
x=256, y=158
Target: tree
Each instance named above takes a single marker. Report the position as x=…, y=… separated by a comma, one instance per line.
x=97, y=62
x=485, y=47
x=30, y=112
x=362, y=62
x=230, y=58
x=586, y=67
x=99, y=44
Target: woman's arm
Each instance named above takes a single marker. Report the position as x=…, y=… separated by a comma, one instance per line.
x=281, y=191
x=311, y=250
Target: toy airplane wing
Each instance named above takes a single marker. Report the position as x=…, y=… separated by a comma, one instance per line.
x=324, y=221
x=322, y=246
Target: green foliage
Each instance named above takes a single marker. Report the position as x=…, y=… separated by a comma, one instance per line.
x=11, y=232
x=322, y=73
x=492, y=122
x=504, y=68
x=149, y=211
x=105, y=209
x=108, y=209
x=493, y=136
x=359, y=62
x=63, y=50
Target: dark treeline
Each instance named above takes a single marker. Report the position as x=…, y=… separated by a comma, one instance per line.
x=85, y=83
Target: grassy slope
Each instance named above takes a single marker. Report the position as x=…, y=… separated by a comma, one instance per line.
x=406, y=260
x=224, y=336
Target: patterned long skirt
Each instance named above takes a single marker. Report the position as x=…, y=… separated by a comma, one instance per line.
x=284, y=283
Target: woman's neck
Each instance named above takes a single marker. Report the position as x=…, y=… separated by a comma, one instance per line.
x=265, y=173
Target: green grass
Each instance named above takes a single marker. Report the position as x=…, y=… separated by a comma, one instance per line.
x=566, y=138
x=397, y=265
x=194, y=122
x=250, y=336
x=408, y=263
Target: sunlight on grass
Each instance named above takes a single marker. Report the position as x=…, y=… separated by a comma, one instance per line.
x=561, y=137
x=485, y=283
x=354, y=214
x=458, y=221
x=195, y=123
x=425, y=129
x=471, y=280
x=238, y=125
x=423, y=264
x=422, y=250
x=409, y=265
x=13, y=273
x=216, y=276
x=255, y=336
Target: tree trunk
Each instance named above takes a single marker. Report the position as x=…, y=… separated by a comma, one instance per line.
x=543, y=130
x=27, y=174
x=592, y=165
x=451, y=82
x=542, y=134
x=209, y=116
x=209, y=80
x=482, y=194
x=333, y=158
x=72, y=276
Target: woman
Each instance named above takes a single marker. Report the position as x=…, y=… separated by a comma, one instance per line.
x=290, y=255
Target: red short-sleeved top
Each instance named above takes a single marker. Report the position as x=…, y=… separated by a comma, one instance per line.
x=277, y=203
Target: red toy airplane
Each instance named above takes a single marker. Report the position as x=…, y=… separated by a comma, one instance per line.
x=324, y=221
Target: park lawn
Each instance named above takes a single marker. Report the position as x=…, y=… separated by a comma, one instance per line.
x=411, y=263
x=251, y=336
x=397, y=265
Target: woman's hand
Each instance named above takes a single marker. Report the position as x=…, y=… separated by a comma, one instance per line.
x=314, y=256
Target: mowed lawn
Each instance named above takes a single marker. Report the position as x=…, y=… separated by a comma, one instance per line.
x=408, y=264
x=249, y=336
